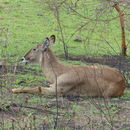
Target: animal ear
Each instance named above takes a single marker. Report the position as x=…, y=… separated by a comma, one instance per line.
x=52, y=39
x=45, y=43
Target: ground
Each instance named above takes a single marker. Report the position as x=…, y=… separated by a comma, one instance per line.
x=18, y=111
x=90, y=31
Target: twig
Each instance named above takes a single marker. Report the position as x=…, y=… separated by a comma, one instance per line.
x=34, y=108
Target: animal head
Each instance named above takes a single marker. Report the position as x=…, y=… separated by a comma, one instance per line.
x=34, y=54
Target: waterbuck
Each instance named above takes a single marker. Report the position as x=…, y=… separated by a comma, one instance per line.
x=72, y=80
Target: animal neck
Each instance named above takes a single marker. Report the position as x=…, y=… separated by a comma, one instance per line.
x=51, y=66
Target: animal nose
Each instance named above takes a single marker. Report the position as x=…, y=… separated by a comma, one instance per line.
x=22, y=59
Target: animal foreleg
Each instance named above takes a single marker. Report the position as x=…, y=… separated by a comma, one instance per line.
x=43, y=90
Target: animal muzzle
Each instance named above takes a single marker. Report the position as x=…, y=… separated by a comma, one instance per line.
x=23, y=60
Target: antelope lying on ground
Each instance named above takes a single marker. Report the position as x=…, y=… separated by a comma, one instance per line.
x=73, y=80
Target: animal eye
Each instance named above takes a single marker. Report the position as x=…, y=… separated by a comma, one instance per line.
x=34, y=49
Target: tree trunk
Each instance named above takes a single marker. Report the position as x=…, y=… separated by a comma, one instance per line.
x=121, y=15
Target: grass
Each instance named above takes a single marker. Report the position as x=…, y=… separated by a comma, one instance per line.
x=26, y=23
x=23, y=24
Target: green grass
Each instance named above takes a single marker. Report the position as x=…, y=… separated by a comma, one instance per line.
x=25, y=23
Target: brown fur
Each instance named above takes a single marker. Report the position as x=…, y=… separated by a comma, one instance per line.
x=75, y=80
